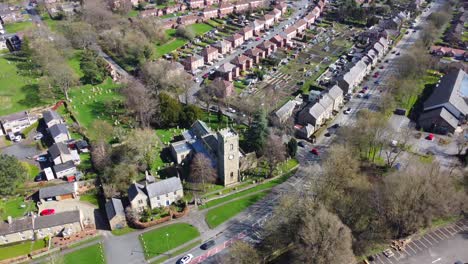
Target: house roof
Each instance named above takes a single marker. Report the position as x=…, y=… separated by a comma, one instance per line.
x=14, y=117
x=220, y=82
x=223, y=44
x=266, y=44
x=225, y=5
x=114, y=207
x=181, y=147
x=235, y=37
x=134, y=190
x=209, y=50
x=442, y=113
x=286, y=109
x=226, y=67
x=209, y=9
x=241, y=59
x=275, y=11
x=335, y=92
x=326, y=101
x=17, y=225
x=448, y=94
x=246, y=29
x=56, y=190
x=267, y=17
x=309, y=17
x=57, y=130
x=258, y=23
x=301, y=23
x=58, y=149
x=165, y=186
x=194, y=58
x=316, y=110
x=289, y=30
x=57, y=219
x=64, y=166
x=50, y=115
x=254, y=52
x=277, y=38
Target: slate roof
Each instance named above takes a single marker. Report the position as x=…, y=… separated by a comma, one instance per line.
x=64, y=166
x=266, y=44
x=200, y=129
x=165, y=186
x=181, y=147
x=57, y=130
x=114, y=207
x=241, y=59
x=326, y=101
x=194, y=57
x=17, y=225
x=442, y=113
x=56, y=190
x=57, y=219
x=58, y=149
x=134, y=190
x=286, y=109
x=226, y=67
x=335, y=92
x=246, y=29
x=14, y=117
x=316, y=110
x=50, y=115
x=254, y=52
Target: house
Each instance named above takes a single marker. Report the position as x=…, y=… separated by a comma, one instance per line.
x=59, y=153
x=255, y=54
x=254, y=4
x=39, y=227
x=283, y=7
x=449, y=52
x=16, y=122
x=187, y=20
x=59, y=133
x=82, y=146
x=65, y=170
x=155, y=194
x=246, y=32
x=336, y=94
x=236, y=40
x=241, y=6
x=289, y=33
x=314, y=114
x=194, y=4
x=170, y=9
x=209, y=12
x=321, y=5
x=304, y=131
x=221, y=147
x=268, y=20
x=268, y=47
x=209, y=54
x=242, y=62
x=192, y=63
x=115, y=214
x=309, y=19
x=300, y=25
x=353, y=77
x=59, y=192
x=13, y=43
x=446, y=109
x=278, y=41
x=227, y=71
x=168, y=24
x=258, y=26
x=286, y=111
x=151, y=13
x=49, y=174
x=51, y=118
x=224, y=88
x=316, y=12
x=223, y=46
x=276, y=13
x=225, y=9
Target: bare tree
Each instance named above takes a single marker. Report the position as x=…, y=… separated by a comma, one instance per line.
x=141, y=146
x=462, y=142
x=100, y=155
x=275, y=152
x=165, y=76
x=202, y=171
x=110, y=190
x=242, y=253
x=139, y=102
x=394, y=144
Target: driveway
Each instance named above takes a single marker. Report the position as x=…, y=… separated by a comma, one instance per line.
x=89, y=211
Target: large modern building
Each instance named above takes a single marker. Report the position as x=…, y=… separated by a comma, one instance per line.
x=222, y=148
x=446, y=110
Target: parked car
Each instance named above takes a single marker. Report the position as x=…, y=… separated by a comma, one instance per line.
x=38, y=178
x=359, y=95
x=186, y=259
x=41, y=159
x=314, y=151
x=207, y=244
x=430, y=137
x=301, y=144
x=38, y=136
x=347, y=111
x=388, y=253
x=398, y=53
x=47, y=212
x=367, y=96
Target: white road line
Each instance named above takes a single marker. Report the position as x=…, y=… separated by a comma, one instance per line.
x=443, y=235
x=404, y=250
x=414, y=243
x=452, y=229
x=429, y=234
x=437, y=235
x=379, y=260
x=408, y=245
x=462, y=227
x=436, y=260
x=446, y=231
x=426, y=240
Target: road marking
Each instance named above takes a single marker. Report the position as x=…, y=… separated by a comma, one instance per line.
x=443, y=235
x=446, y=231
x=437, y=235
x=436, y=260
x=414, y=243
x=429, y=235
x=462, y=227
x=404, y=250
x=453, y=230
x=426, y=240
x=408, y=245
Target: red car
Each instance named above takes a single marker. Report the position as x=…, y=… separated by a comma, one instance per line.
x=48, y=212
x=430, y=137
x=257, y=39
x=314, y=151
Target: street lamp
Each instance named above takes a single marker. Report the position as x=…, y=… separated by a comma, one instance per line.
x=167, y=241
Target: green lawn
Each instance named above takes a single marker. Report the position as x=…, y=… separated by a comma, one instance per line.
x=166, y=135
x=18, y=26
x=16, y=250
x=51, y=23
x=219, y=215
x=260, y=187
x=163, y=239
x=133, y=13
x=200, y=29
x=33, y=170
x=92, y=254
x=123, y=231
x=18, y=91
x=176, y=43
x=177, y=252
x=74, y=63
x=90, y=197
x=12, y=207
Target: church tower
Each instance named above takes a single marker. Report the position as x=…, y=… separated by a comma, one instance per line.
x=228, y=156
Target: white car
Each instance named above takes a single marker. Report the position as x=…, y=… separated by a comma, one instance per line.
x=186, y=259
x=38, y=136
x=347, y=111
x=232, y=110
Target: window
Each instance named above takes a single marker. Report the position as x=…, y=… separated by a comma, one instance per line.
x=175, y=193
x=140, y=201
x=159, y=198
x=232, y=174
x=231, y=147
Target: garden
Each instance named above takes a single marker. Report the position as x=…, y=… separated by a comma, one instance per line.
x=18, y=27
x=92, y=254
x=19, y=249
x=158, y=241
x=15, y=207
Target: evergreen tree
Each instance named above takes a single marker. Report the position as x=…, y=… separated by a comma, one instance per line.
x=93, y=67
x=257, y=133
x=12, y=174
x=292, y=147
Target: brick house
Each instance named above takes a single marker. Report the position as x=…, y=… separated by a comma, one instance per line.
x=150, y=13
x=242, y=62
x=225, y=9
x=168, y=24
x=279, y=41
x=268, y=47
x=187, y=20
x=209, y=54
x=236, y=40
x=321, y=5
x=300, y=25
x=289, y=33
x=276, y=13
x=209, y=12
x=223, y=46
x=310, y=19
x=241, y=7
x=258, y=26
x=193, y=4
x=254, y=4
x=246, y=32
x=268, y=20
x=283, y=7
x=316, y=12
x=255, y=54
x=170, y=9
x=211, y=2
x=227, y=71
x=193, y=62
x=225, y=88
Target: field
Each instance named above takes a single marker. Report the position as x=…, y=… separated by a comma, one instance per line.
x=219, y=215
x=16, y=250
x=122, y=231
x=18, y=91
x=92, y=254
x=18, y=26
x=163, y=239
x=74, y=63
x=12, y=207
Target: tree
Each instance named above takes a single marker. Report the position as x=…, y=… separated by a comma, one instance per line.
x=163, y=76
x=257, y=133
x=242, y=253
x=191, y=114
x=120, y=176
x=64, y=77
x=275, y=152
x=394, y=144
x=139, y=102
x=141, y=146
x=292, y=147
x=103, y=130
x=170, y=111
x=12, y=174
x=100, y=155
x=185, y=32
x=461, y=142
x=202, y=171
x=80, y=34
x=94, y=67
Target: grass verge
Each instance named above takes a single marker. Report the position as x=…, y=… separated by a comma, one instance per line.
x=92, y=254
x=20, y=249
x=177, y=252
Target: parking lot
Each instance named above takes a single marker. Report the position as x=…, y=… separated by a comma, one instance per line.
x=425, y=246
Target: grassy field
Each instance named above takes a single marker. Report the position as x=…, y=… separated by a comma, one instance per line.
x=18, y=26
x=32, y=170
x=219, y=215
x=18, y=91
x=176, y=43
x=123, y=231
x=74, y=63
x=163, y=239
x=92, y=254
x=166, y=135
x=51, y=23
x=91, y=198
x=12, y=207
x=24, y=248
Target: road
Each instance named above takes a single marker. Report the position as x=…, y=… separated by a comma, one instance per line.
x=272, y=32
